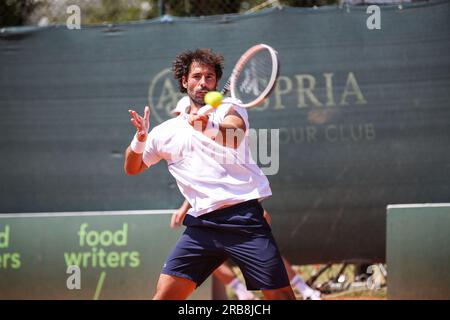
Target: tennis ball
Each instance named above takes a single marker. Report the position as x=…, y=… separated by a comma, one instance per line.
x=213, y=98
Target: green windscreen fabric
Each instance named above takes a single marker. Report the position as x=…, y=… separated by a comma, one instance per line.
x=363, y=117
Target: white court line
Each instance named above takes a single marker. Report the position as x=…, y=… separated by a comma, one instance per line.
x=85, y=213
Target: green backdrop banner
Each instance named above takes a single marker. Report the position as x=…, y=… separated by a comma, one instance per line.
x=117, y=255
x=363, y=117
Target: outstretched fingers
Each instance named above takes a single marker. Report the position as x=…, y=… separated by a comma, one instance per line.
x=136, y=119
x=136, y=124
x=146, y=116
x=141, y=123
x=135, y=115
x=146, y=113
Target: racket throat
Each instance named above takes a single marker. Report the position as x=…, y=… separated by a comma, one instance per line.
x=226, y=88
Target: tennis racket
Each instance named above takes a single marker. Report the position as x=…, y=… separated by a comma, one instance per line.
x=253, y=77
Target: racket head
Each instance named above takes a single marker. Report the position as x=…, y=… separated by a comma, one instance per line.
x=254, y=75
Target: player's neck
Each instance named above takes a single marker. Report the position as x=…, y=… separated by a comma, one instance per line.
x=194, y=108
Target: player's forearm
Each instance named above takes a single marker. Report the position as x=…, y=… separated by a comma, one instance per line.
x=185, y=206
x=230, y=135
x=133, y=162
x=231, y=130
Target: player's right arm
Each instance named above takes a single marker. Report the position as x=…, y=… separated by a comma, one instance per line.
x=134, y=163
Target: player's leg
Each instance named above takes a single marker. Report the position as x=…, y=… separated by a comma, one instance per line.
x=193, y=259
x=259, y=259
x=173, y=288
x=227, y=276
x=295, y=279
x=264, y=271
x=290, y=271
x=297, y=282
x=285, y=293
x=224, y=274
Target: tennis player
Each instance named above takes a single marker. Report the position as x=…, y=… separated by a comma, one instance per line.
x=226, y=219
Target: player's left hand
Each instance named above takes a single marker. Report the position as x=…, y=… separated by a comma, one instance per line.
x=141, y=123
x=177, y=218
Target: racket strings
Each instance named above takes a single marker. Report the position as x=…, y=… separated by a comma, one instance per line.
x=254, y=77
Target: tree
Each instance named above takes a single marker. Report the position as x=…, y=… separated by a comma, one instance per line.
x=201, y=7
x=16, y=12
x=21, y=12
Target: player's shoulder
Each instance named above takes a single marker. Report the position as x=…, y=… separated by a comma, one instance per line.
x=232, y=104
x=229, y=103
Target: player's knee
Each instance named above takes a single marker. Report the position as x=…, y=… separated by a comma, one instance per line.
x=173, y=288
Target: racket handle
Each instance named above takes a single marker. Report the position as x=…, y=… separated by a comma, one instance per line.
x=205, y=109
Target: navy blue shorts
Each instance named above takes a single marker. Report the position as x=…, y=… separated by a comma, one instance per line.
x=239, y=232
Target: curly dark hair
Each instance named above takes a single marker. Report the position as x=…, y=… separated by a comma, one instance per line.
x=183, y=61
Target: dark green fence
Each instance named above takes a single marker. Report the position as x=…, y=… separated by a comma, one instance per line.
x=363, y=116
x=418, y=251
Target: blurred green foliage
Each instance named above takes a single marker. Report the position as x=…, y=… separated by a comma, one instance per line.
x=42, y=12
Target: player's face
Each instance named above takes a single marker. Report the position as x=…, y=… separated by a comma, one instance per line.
x=201, y=79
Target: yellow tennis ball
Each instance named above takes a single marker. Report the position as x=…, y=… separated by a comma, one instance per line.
x=213, y=98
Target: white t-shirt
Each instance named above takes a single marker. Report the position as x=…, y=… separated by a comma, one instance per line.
x=208, y=175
